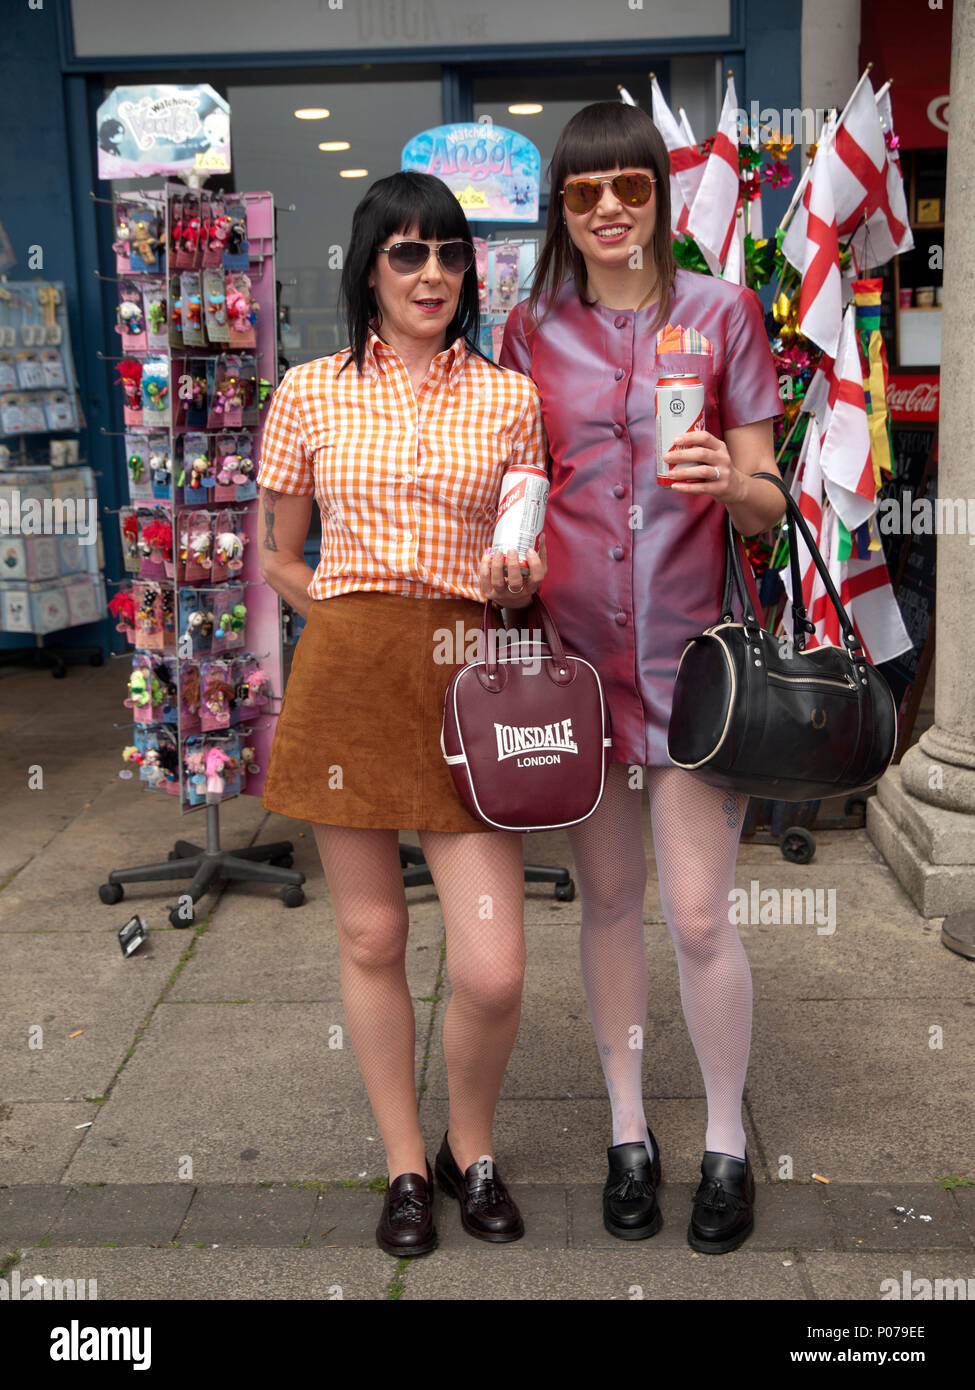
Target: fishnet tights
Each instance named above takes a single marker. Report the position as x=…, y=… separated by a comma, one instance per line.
x=479, y=880
x=695, y=834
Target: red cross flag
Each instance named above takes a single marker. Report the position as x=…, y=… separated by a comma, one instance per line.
x=712, y=222
x=867, y=186
x=687, y=163
x=846, y=459
x=812, y=245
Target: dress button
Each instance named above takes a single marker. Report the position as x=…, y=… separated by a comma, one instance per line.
x=620, y=374
x=618, y=552
x=618, y=431
x=619, y=490
x=620, y=321
x=621, y=618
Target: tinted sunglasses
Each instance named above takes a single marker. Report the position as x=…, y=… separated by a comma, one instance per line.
x=407, y=257
x=632, y=190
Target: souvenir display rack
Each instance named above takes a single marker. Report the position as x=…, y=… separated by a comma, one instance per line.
x=51, y=553
x=197, y=318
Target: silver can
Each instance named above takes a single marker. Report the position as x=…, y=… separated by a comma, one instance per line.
x=680, y=408
x=521, y=510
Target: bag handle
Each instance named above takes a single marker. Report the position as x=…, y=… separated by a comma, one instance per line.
x=800, y=622
x=560, y=671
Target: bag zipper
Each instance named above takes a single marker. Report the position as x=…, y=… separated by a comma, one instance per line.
x=844, y=682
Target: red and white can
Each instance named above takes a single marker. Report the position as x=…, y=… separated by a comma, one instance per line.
x=521, y=510
x=680, y=408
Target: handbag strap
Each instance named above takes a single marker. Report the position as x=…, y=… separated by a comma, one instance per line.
x=559, y=670
x=800, y=621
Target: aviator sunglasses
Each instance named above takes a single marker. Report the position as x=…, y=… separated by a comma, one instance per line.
x=407, y=257
x=632, y=190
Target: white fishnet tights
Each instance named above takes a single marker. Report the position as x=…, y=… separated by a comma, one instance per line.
x=695, y=834
x=480, y=882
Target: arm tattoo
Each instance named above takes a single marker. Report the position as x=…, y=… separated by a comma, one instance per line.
x=269, y=500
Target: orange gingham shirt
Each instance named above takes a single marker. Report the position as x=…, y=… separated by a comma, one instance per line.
x=407, y=483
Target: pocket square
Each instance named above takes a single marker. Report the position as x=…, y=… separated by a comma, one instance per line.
x=673, y=338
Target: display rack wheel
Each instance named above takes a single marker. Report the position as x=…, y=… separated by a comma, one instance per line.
x=59, y=671
x=284, y=861
x=172, y=855
x=178, y=918
x=565, y=892
x=292, y=895
x=111, y=893
x=96, y=659
x=855, y=805
x=797, y=845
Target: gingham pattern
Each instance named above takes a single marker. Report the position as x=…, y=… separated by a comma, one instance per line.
x=407, y=483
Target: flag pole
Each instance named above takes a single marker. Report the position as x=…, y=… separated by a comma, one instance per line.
x=802, y=182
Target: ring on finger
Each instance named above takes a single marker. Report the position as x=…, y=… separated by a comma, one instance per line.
x=717, y=473
x=514, y=591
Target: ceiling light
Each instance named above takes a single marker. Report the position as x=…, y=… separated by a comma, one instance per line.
x=334, y=145
x=525, y=108
x=312, y=113
x=353, y=173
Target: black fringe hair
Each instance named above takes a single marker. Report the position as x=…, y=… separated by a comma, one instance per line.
x=391, y=205
x=605, y=135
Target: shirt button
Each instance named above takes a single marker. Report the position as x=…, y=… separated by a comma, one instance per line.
x=619, y=490
x=618, y=431
x=621, y=618
x=620, y=321
x=618, y=552
x=620, y=374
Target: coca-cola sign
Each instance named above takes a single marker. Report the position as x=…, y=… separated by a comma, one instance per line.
x=914, y=398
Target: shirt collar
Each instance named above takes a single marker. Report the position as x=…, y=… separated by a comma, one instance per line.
x=450, y=363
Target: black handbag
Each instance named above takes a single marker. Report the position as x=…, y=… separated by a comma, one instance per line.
x=760, y=715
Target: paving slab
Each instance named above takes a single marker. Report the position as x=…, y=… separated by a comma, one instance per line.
x=247, y=1092
x=856, y=1094
x=629, y=1274
x=219, y=1275
x=122, y=1214
x=28, y=1212
x=239, y=1214
x=55, y=984
x=887, y=1276
x=896, y=1217
x=39, y=1138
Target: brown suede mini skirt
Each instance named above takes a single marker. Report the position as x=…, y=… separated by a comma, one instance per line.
x=357, y=741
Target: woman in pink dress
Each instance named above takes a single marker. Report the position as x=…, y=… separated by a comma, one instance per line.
x=634, y=570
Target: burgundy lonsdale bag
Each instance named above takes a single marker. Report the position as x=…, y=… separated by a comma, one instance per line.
x=526, y=731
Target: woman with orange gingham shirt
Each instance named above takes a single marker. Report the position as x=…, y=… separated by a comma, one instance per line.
x=403, y=439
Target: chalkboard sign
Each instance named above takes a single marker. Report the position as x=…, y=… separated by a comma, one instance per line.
x=911, y=559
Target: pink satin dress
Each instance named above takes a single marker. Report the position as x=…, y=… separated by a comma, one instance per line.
x=635, y=569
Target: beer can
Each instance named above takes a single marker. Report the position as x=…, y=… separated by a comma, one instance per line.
x=521, y=509
x=680, y=408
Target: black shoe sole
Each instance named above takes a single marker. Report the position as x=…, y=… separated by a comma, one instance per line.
x=448, y=1188
x=718, y=1247
x=635, y=1232
x=406, y=1252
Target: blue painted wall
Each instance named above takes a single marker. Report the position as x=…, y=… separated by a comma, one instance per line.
x=38, y=207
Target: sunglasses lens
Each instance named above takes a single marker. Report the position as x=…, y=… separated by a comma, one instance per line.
x=456, y=256
x=581, y=195
x=633, y=189
x=406, y=257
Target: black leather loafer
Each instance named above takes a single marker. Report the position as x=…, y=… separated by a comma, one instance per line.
x=487, y=1209
x=723, y=1214
x=630, y=1208
x=406, y=1225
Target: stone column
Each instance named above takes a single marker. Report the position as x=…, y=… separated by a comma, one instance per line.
x=923, y=817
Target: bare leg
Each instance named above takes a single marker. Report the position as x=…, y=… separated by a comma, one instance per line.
x=364, y=878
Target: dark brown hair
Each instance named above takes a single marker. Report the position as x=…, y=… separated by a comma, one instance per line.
x=605, y=135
